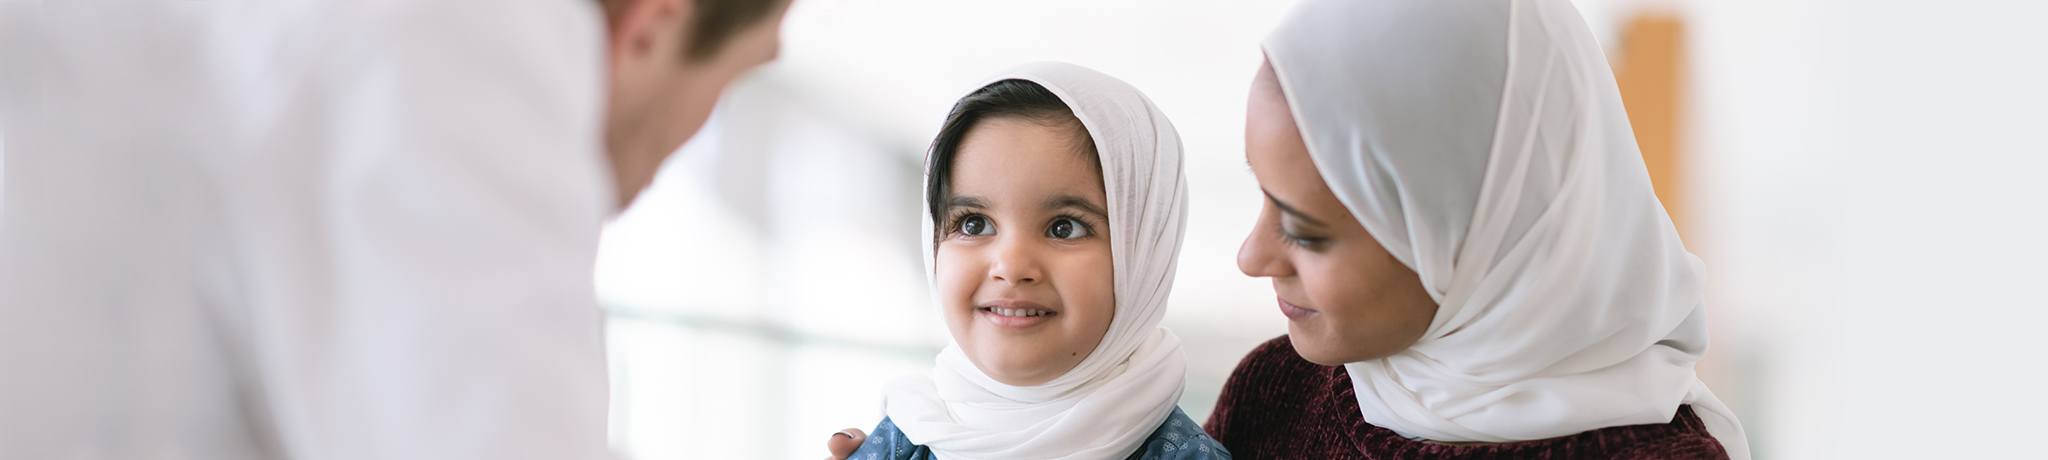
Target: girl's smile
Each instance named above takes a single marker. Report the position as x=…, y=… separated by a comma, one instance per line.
x=1018, y=314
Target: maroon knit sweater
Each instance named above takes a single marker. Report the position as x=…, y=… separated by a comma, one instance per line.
x=1277, y=405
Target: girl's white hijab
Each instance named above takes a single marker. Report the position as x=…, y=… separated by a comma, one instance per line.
x=1483, y=142
x=1116, y=397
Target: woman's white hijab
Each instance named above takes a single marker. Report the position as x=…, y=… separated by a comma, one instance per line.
x=1116, y=397
x=1483, y=142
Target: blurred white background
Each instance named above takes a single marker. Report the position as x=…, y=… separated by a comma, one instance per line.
x=1864, y=180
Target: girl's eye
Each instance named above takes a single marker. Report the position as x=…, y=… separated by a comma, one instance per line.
x=977, y=225
x=1066, y=228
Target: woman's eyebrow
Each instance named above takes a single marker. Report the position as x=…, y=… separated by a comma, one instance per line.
x=1070, y=201
x=1290, y=210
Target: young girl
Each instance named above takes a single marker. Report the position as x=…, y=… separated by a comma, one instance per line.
x=1057, y=206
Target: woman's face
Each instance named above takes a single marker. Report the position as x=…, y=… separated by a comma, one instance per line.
x=1346, y=299
x=1023, y=260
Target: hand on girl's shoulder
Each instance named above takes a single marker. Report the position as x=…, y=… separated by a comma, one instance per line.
x=887, y=442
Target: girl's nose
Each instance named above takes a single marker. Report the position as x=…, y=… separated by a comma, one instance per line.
x=1015, y=262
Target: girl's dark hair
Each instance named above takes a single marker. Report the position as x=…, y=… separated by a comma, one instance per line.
x=1003, y=99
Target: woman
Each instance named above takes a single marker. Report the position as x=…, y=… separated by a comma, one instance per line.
x=1457, y=214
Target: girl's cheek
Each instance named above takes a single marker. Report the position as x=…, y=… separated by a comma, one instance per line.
x=957, y=278
x=1104, y=291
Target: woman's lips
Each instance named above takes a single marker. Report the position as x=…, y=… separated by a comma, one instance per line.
x=1294, y=311
x=1015, y=313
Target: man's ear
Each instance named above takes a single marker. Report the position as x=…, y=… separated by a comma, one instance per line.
x=643, y=29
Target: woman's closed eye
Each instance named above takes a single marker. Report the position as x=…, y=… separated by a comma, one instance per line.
x=1296, y=238
x=1303, y=242
x=1068, y=228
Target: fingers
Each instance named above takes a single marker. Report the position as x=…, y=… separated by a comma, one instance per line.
x=845, y=442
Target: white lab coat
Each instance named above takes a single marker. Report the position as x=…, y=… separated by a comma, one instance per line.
x=298, y=229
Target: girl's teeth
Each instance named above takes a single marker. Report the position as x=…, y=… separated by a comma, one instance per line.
x=1018, y=312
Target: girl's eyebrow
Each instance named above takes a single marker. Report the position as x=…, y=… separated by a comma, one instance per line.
x=1070, y=201
x=958, y=201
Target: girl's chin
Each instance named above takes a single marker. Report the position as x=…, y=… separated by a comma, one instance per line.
x=1020, y=372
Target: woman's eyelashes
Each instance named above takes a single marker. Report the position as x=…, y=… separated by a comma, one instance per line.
x=1307, y=243
x=1292, y=236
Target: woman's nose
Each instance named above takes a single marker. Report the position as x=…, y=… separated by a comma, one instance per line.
x=1257, y=257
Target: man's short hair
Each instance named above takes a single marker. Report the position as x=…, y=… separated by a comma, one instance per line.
x=718, y=21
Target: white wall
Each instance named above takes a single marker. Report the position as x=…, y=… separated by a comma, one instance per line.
x=1871, y=192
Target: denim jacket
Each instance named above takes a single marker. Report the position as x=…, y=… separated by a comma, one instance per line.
x=1179, y=438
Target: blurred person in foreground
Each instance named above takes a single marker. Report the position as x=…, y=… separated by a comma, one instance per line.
x=344, y=230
